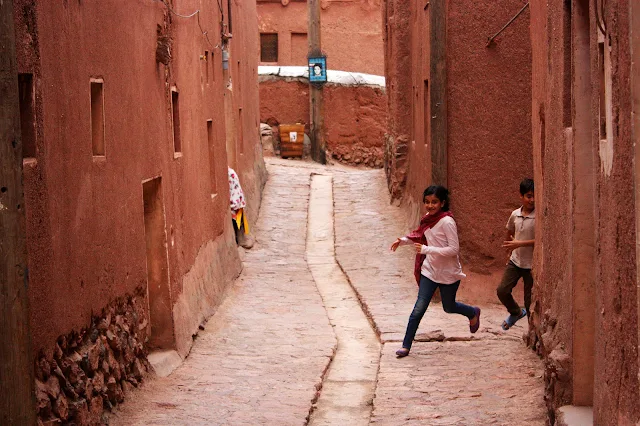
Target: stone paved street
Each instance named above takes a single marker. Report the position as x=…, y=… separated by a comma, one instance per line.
x=263, y=353
x=487, y=380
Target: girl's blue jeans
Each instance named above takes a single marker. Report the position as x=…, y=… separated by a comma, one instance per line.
x=449, y=304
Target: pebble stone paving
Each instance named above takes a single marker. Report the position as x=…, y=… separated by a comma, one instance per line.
x=263, y=354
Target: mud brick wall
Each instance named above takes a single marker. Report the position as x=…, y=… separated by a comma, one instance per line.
x=355, y=116
x=584, y=319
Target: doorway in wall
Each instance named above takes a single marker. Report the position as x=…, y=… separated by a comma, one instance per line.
x=158, y=288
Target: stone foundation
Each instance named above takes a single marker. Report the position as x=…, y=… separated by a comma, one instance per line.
x=543, y=338
x=395, y=164
x=94, y=369
x=358, y=155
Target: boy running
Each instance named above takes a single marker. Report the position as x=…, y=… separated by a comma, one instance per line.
x=520, y=240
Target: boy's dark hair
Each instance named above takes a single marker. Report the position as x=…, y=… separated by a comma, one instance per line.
x=441, y=194
x=526, y=186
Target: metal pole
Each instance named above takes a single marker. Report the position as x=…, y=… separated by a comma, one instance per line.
x=17, y=401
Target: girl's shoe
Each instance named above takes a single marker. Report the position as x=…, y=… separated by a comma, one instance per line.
x=511, y=320
x=476, y=326
x=401, y=353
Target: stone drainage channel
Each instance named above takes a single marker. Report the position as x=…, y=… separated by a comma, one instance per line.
x=349, y=385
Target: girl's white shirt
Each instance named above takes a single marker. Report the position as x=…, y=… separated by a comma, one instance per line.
x=442, y=264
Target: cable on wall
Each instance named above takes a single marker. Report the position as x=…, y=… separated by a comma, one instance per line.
x=197, y=14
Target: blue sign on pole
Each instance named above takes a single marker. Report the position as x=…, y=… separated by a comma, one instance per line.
x=318, y=69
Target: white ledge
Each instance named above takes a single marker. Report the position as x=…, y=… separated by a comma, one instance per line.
x=345, y=78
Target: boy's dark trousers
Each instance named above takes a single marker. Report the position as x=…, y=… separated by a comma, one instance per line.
x=512, y=274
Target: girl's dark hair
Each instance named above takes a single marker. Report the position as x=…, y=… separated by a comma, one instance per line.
x=441, y=194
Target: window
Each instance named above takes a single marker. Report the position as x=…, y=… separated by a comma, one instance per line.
x=97, y=117
x=175, y=120
x=238, y=82
x=27, y=115
x=567, y=72
x=412, y=134
x=268, y=47
x=206, y=66
x=240, y=131
x=212, y=158
x=426, y=113
x=604, y=65
x=299, y=48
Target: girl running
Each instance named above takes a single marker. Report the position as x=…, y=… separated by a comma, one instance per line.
x=437, y=263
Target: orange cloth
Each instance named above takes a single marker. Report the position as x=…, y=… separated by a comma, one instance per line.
x=241, y=219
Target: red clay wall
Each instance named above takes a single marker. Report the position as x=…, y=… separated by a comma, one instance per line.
x=489, y=133
x=284, y=101
x=355, y=116
x=397, y=45
x=616, y=368
x=85, y=219
x=358, y=21
x=553, y=173
x=585, y=316
x=488, y=130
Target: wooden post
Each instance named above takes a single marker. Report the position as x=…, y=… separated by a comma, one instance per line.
x=438, y=83
x=315, y=91
x=17, y=403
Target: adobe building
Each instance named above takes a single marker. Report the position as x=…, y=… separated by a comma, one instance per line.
x=130, y=113
x=351, y=34
x=585, y=130
x=459, y=116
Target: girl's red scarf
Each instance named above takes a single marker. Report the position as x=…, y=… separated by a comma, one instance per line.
x=417, y=236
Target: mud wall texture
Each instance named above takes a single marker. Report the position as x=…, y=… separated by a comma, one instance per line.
x=553, y=171
x=585, y=316
x=488, y=125
x=126, y=181
x=358, y=21
x=355, y=116
x=461, y=117
x=284, y=101
x=396, y=17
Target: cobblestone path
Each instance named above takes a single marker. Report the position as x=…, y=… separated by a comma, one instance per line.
x=490, y=379
x=263, y=353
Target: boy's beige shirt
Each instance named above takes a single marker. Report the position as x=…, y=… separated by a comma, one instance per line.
x=523, y=228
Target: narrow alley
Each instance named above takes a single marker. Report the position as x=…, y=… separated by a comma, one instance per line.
x=215, y=212
x=268, y=354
